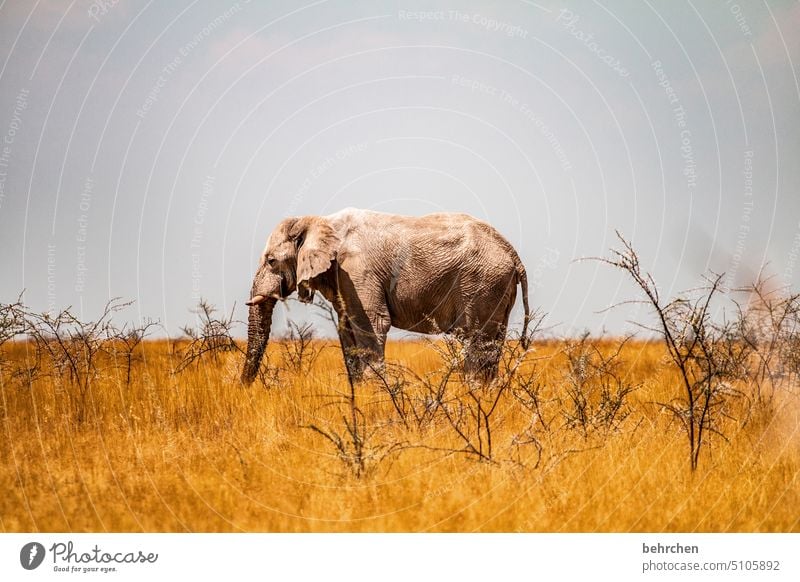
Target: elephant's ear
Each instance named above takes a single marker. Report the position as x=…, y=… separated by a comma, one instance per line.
x=317, y=245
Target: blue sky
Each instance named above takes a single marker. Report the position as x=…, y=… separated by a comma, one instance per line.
x=149, y=148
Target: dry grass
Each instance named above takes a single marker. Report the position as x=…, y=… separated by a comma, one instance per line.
x=197, y=452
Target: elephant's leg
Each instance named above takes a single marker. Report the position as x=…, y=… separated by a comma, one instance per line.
x=362, y=305
x=363, y=341
x=347, y=339
x=370, y=328
x=482, y=356
x=380, y=321
x=484, y=346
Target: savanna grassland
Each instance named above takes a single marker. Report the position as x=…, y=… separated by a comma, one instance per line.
x=575, y=436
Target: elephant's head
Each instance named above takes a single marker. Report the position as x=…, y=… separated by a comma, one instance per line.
x=298, y=250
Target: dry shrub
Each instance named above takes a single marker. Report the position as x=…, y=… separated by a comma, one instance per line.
x=718, y=360
x=597, y=392
x=212, y=336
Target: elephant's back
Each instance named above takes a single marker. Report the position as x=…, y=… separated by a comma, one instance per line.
x=358, y=219
x=433, y=245
x=473, y=238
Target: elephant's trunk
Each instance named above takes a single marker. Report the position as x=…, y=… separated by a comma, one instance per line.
x=258, y=326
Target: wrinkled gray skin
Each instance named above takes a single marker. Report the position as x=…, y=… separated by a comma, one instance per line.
x=440, y=273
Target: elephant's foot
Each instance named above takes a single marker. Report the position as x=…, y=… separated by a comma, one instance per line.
x=363, y=365
x=482, y=360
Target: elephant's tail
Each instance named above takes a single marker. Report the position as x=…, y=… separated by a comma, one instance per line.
x=522, y=278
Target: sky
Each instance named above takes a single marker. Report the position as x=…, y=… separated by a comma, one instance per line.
x=149, y=148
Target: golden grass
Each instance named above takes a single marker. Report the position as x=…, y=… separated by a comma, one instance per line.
x=197, y=452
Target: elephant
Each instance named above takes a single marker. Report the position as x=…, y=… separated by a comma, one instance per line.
x=440, y=273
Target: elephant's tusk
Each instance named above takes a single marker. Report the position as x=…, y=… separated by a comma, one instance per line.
x=255, y=300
